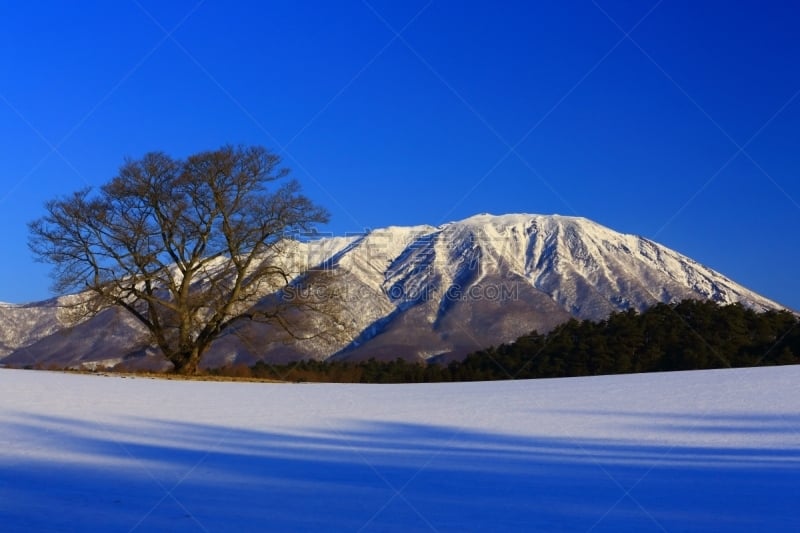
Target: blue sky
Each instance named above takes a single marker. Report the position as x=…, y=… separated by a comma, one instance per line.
x=673, y=120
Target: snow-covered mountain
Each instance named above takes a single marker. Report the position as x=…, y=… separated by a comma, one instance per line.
x=24, y=324
x=424, y=291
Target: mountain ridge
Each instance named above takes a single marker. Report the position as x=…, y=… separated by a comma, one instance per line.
x=425, y=291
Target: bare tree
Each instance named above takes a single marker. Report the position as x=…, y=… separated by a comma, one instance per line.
x=188, y=247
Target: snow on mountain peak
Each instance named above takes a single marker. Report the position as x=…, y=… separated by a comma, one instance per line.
x=447, y=290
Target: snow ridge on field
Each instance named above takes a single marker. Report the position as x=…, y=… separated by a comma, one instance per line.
x=686, y=451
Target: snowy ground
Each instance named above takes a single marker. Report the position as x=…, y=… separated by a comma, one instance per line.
x=715, y=450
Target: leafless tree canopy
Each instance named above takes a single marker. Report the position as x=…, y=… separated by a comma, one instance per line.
x=186, y=246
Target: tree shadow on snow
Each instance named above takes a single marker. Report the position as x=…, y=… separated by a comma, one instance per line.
x=66, y=474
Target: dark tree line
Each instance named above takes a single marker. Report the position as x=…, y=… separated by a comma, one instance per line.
x=690, y=335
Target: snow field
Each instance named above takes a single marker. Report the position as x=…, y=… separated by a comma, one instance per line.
x=706, y=451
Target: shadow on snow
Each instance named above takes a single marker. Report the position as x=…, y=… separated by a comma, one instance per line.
x=68, y=474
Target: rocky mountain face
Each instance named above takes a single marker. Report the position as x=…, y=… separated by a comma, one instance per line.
x=418, y=292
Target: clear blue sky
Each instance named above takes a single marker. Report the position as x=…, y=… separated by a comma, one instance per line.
x=678, y=120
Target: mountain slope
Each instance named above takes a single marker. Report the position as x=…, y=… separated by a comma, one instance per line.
x=487, y=278
x=424, y=291
x=23, y=324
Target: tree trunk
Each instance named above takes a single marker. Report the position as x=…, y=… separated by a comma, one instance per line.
x=186, y=362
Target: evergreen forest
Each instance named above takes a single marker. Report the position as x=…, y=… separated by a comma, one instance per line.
x=690, y=335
